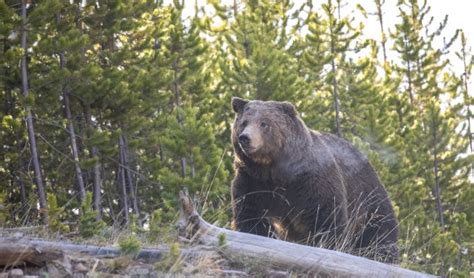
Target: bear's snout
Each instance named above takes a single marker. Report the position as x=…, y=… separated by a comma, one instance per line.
x=244, y=140
x=250, y=140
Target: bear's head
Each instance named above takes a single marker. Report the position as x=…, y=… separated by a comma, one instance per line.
x=262, y=129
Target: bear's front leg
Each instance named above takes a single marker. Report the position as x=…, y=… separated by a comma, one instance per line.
x=248, y=214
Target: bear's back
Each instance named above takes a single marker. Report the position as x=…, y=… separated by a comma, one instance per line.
x=359, y=175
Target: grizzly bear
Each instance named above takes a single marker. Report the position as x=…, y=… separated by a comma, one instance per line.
x=305, y=186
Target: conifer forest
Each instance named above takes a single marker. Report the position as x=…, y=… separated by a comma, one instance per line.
x=109, y=108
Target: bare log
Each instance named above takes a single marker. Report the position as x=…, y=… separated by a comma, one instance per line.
x=281, y=254
x=15, y=251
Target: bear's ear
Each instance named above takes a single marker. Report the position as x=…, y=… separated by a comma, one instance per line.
x=288, y=108
x=238, y=104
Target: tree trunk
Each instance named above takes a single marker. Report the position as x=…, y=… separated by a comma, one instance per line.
x=94, y=152
x=21, y=183
x=336, y=99
x=96, y=176
x=128, y=175
x=72, y=135
x=162, y=155
x=38, y=251
x=334, y=84
x=29, y=121
x=379, y=4
x=97, y=185
x=183, y=167
x=12, y=253
x=123, y=185
x=437, y=190
x=177, y=100
x=264, y=251
x=193, y=168
x=409, y=71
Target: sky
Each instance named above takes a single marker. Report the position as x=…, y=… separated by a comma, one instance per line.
x=460, y=16
x=460, y=12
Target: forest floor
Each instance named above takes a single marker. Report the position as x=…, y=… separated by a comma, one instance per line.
x=192, y=247
x=78, y=258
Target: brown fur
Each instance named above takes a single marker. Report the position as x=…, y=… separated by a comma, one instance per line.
x=306, y=186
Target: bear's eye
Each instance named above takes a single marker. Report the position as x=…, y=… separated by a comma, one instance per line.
x=263, y=125
x=244, y=123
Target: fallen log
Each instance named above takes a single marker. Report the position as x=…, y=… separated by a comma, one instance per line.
x=280, y=254
x=15, y=251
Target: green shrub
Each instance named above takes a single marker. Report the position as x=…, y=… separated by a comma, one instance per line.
x=54, y=215
x=130, y=245
x=88, y=223
x=172, y=262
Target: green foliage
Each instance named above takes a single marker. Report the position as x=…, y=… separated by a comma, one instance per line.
x=172, y=262
x=434, y=170
x=150, y=94
x=89, y=225
x=3, y=209
x=129, y=245
x=156, y=223
x=55, y=212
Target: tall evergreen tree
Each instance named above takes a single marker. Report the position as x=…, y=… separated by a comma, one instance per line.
x=329, y=41
x=67, y=31
x=432, y=127
x=258, y=66
x=40, y=187
x=188, y=141
x=144, y=92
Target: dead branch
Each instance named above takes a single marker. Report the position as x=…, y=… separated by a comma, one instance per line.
x=281, y=254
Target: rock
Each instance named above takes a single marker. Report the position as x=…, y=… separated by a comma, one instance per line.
x=59, y=268
x=15, y=273
x=140, y=271
x=81, y=268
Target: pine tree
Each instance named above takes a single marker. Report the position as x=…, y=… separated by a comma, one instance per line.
x=113, y=26
x=191, y=155
x=380, y=17
x=328, y=43
x=40, y=187
x=146, y=93
x=253, y=57
x=467, y=60
x=432, y=128
x=462, y=215
x=13, y=132
x=258, y=66
x=68, y=34
x=57, y=53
